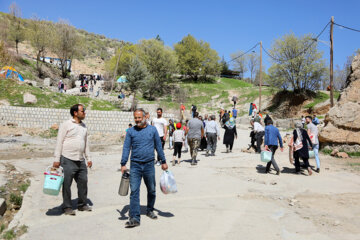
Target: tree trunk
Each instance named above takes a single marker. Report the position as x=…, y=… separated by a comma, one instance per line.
x=16, y=44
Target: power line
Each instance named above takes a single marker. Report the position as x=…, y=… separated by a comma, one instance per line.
x=352, y=29
x=304, y=51
x=243, y=53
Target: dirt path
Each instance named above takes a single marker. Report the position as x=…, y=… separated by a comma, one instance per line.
x=225, y=197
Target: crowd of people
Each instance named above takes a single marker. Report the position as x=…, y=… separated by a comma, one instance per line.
x=148, y=135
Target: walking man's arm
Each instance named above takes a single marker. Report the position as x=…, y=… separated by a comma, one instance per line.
x=126, y=151
x=160, y=151
x=59, y=145
x=87, y=152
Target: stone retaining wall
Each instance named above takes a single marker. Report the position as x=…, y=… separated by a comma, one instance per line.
x=96, y=121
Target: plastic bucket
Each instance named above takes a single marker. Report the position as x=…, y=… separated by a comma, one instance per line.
x=266, y=156
x=311, y=154
x=53, y=181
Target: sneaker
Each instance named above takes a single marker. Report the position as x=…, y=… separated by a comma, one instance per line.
x=278, y=172
x=227, y=150
x=213, y=154
x=230, y=150
x=86, y=208
x=132, y=223
x=151, y=215
x=173, y=162
x=69, y=211
x=207, y=154
x=193, y=162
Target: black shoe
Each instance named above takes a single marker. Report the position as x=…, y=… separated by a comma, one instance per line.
x=69, y=211
x=213, y=154
x=207, y=154
x=151, y=215
x=278, y=172
x=132, y=223
x=193, y=162
x=267, y=171
x=86, y=208
x=317, y=170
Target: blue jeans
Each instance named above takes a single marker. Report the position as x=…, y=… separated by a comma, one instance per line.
x=138, y=171
x=316, y=152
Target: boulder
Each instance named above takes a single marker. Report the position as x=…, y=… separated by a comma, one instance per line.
x=47, y=82
x=334, y=152
x=31, y=83
x=29, y=98
x=2, y=206
x=342, y=155
x=342, y=122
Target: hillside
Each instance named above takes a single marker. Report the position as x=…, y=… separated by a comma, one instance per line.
x=12, y=91
x=95, y=50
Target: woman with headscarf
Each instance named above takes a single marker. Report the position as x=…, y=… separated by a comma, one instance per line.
x=301, y=140
x=230, y=133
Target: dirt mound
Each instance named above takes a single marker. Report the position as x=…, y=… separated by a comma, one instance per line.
x=286, y=104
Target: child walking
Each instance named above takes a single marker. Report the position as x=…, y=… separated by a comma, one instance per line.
x=178, y=138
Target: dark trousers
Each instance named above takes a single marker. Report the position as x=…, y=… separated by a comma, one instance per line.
x=138, y=171
x=162, y=144
x=74, y=170
x=229, y=146
x=259, y=140
x=273, y=162
x=297, y=162
x=211, y=142
x=177, y=148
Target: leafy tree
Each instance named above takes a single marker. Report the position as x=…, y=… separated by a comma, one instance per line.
x=297, y=63
x=224, y=67
x=239, y=63
x=126, y=54
x=196, y=58
x=136, y=76
x=39, y=35
x=16, y=31
x=66, y=44
x=253, y=64
x=160, y=61
x=264, y=78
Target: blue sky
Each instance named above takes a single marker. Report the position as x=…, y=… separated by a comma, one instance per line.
x=228, y=26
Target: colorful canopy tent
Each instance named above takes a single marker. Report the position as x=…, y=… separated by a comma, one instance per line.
x=122, y=79
x=10, y=72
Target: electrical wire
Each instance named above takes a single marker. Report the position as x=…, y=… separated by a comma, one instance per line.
x=304, y=51
x=243, y=53
x=352, y=29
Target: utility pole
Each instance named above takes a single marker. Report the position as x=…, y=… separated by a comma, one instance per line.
x=260, y=76
x=331, y=63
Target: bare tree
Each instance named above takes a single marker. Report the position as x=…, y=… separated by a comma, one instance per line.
x=16, y=32
x=66, y=44
x=253, y=62
x=239, y=63
x=39, y=36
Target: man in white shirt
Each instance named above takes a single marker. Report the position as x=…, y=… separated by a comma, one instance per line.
x=160, y=124
x=72, y=149
x=259, y=134
x=212, y=132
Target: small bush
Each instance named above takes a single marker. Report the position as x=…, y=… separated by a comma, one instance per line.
x=16, y=199
x=9, y=235
x=23, y=187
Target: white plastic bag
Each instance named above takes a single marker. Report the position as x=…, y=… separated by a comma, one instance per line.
x=167, y=182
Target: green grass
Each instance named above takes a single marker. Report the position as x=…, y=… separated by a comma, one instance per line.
x=13, y=92
x=23, y=187
x=321, y=97
x=9, y=235
x=353, y=154
x=326, y=151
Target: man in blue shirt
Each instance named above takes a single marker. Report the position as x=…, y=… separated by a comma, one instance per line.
x=142, y=139
x=272, y=136
x=234, y=113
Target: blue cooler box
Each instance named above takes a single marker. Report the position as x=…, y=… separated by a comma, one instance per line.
x=266, y=156
x=53, y=182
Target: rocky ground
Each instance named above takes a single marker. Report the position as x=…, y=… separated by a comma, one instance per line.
x=226, y=196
